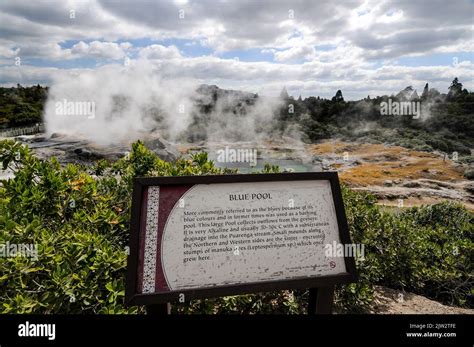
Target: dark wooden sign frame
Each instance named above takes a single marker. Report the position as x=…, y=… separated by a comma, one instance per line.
x=321, y=287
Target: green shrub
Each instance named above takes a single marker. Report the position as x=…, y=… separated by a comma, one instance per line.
x=428, y=250
x=443, y=249
x=80, y=225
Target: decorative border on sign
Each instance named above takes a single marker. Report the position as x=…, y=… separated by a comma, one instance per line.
x=170, y=213
x=151, y=235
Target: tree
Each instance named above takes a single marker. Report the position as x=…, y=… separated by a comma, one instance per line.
x=338, y=97
x=284, y=94
x=407, y=94
x=25, y=113
x=434, y=93
x=455, y=90
x=426, y=91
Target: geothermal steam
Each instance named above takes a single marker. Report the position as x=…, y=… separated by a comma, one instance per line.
x=125, y=103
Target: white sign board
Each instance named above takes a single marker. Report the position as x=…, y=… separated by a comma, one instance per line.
x=250, y=232
x=196, y=234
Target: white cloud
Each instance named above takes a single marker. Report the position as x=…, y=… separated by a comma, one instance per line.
x=102, y=50
x=312, y=78
x=51, y=51
x=302, y=52
x=8, y=52
x=159, y=52
x=367, y=37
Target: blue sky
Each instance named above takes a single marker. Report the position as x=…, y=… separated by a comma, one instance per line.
x=311, y=48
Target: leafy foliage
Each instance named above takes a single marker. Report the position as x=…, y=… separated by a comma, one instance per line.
x=22, y=105
x=79, y=220
x=427, y=250
x=78, y=217
x=445, y=124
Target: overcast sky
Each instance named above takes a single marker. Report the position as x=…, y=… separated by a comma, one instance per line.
x=311, y=47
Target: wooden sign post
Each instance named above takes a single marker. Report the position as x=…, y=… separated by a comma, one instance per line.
x=208, y=236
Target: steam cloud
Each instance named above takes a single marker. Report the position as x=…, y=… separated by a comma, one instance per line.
x=128, y=101
x=132, y=101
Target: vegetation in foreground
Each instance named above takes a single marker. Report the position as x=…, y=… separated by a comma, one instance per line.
x=78, y=217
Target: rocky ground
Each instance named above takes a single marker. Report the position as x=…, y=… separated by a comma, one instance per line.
x=76, y=150
x=392, y=173
x=390, y=301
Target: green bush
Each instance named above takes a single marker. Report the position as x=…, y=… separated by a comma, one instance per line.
x=80, y=225
x=428, y=250
x=78, y=216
